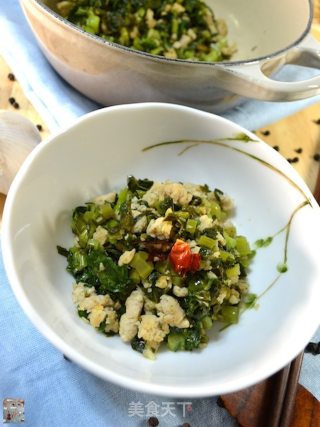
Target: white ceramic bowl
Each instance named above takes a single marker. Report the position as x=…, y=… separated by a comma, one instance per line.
x=95, y=155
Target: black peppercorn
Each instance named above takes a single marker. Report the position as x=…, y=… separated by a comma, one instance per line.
x=313, y=348
x=153, y=422
x=265, y=132
x=11, y=77
x=39, y=127
x=293, y=160
x=316, y=157
x=276, y=147
x=220, y=402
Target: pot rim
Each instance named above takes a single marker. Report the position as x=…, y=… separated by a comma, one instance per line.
x=97, y=39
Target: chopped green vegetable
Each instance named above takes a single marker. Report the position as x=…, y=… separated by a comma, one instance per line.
x=83, y=313
x=77, y=260
x=184, y=339
x=183, y=29
x=206, y=322
x=139, y=263
x=250, y=300
x=242, y=246
x=215, y=209
x=92, y=22
x=233, y=272
x=191, y=226
x=101, y=271
x=176, y=341
x=207, y=242
x=134, y=185
x=229, y=314
x=62, y=251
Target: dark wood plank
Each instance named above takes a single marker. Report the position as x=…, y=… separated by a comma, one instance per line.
x=269, y=403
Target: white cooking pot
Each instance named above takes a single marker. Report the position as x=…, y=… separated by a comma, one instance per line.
x=268, y=34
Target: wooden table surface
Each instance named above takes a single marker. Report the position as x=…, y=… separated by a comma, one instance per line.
x=298, y=131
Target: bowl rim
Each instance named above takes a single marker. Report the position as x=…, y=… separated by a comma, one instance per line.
x=157, y=58
x=52, y=336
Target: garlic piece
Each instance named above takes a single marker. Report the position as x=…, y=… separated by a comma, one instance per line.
x=18, y=137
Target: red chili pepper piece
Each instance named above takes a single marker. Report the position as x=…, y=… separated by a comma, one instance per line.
x=182, y=259
x=195, y=262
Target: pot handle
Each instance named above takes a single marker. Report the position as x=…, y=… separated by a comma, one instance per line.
x=250, y=81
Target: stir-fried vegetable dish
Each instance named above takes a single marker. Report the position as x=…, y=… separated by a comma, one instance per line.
x=183, y=29
x=158, y=262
